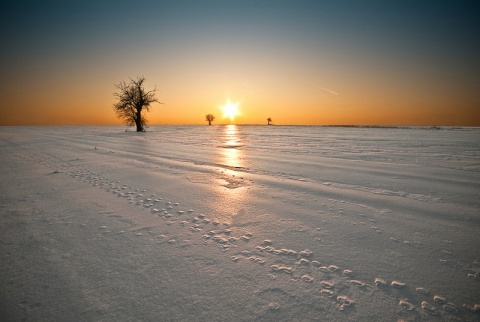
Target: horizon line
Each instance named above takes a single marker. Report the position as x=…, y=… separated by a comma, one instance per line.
x=251, y=124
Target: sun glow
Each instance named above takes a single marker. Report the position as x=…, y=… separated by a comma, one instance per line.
x=230, y=110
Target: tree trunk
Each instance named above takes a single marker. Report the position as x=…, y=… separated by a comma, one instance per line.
x=138, y=121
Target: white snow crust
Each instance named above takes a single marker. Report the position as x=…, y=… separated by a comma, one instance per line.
x=240, y=223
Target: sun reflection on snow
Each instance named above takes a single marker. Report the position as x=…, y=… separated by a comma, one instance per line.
x=231, y=155
x=233, y=190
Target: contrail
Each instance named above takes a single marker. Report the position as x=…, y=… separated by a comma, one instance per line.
x=326, y=90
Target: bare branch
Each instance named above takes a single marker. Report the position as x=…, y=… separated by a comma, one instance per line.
x=132, y=100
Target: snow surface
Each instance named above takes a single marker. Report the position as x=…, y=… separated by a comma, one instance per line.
x=240, y=223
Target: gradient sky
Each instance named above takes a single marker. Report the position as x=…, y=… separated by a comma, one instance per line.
x=298, y=62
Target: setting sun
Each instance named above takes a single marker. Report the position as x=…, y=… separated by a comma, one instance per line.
x=230, y=110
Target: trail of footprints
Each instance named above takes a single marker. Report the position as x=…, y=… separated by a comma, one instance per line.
x=300, y=265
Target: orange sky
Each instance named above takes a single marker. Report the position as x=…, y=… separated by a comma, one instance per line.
x=296, y=62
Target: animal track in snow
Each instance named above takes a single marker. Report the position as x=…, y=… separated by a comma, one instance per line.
x=299, y=264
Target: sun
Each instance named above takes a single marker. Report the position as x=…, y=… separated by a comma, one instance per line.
x=230, y=110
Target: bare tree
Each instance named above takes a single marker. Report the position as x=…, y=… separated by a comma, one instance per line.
x=133, y=99
x=209, y=118
x=269, y=120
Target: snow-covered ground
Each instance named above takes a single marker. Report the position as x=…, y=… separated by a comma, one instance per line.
x=240, y=223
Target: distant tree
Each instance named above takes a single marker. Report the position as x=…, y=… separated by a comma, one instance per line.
x=269, y=120
x=210, y=118
x=133, y=99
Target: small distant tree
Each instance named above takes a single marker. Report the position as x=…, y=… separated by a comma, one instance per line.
x=210, y=118
x=133, y=99
x=269, y=120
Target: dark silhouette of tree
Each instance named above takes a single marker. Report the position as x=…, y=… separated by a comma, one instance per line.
x=269, y=120
x=133, y=99
x=209, y=118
